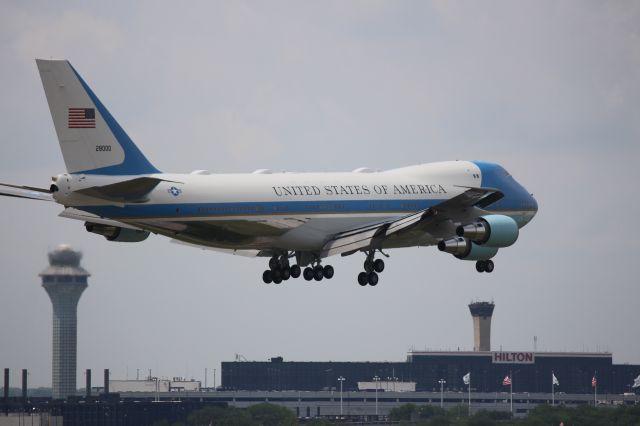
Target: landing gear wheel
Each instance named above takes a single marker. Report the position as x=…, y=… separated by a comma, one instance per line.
x=308, y=274
x=286, y=274
x=481, y=266
x=267, y=276
x=368, y=265
x=328, y=272
x=318, y=273
x=363, y=278
x=277, y=280
x=276, y=274
x=378, y=265
x=488, y=267
x=372, y=278
x=295, y=271
x=273, y=263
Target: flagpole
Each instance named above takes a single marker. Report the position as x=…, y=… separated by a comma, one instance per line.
x=511, y=390
x=553, y=391
x=469, y=386
x=466, y=379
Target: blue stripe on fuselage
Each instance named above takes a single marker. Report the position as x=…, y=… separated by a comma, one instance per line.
x=260, y=208
x=516, y=197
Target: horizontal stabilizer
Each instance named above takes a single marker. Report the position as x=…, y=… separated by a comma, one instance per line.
x=28, y=192
x=128, y=191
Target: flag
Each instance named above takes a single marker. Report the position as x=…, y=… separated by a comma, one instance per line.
x=594, y=382
x=554, y=380
x=467, y=378
x=506, y=381
x=81, y=118
x=636, y=382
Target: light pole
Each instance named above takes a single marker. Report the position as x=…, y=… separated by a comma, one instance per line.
x=377, y=380
x=157, y=388
x=341, y=379
x=442, y=382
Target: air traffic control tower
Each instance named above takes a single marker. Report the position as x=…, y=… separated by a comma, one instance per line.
x=481, y=313
x=64, y=280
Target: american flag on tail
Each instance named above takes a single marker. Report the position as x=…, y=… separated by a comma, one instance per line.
x=81, y=118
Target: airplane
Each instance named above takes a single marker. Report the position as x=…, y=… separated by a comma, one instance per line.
x=469, y=209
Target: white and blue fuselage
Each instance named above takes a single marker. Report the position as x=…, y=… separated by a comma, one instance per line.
x=295, y=211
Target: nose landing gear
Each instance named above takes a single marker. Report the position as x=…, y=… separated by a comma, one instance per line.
x=484, y=266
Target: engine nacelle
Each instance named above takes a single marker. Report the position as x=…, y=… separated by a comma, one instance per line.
x=116, y=233
x=455, y=246
x=465, y=249
x=494, y=230
x=477, y=252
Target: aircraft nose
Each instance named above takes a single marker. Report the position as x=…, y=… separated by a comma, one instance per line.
x=534, y=204
x=532, y=208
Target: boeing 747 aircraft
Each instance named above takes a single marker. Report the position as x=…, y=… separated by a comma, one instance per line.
x=469, y=209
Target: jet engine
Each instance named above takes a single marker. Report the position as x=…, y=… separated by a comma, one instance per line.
x=465, y=249
x=116, y=233
x=493, y=230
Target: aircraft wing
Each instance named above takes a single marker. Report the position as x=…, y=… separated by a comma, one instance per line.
x=372, y=236
x=28, y=192
x=472, y=197
x=245, y=253
x=71, y=213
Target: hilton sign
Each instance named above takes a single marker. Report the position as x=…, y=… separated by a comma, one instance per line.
x=513, y=357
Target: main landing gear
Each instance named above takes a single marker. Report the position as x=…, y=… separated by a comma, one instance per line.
x=318, y=272
x=371, y=270
x=280, y=270
x=484, y=266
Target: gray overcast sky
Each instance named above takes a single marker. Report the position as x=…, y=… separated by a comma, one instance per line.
x=550, y=90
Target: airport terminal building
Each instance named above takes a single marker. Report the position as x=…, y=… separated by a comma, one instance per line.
x=530, y=372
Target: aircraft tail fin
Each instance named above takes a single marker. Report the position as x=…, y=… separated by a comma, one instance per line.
x=90, y=138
